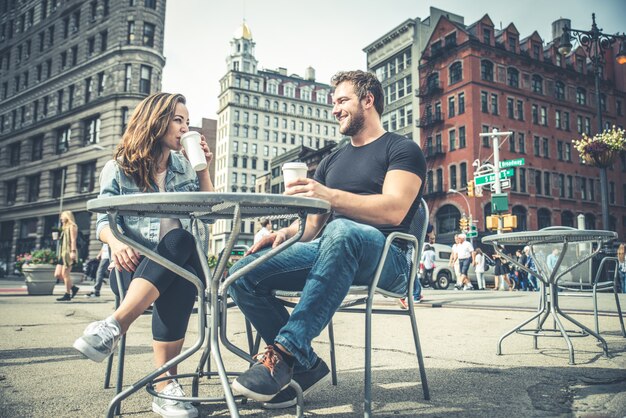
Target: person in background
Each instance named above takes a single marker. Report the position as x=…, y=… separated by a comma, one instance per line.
x=148, y=159
x=479, y=268
x=454, y=261
x=266, y=229
x=552, y=259
x=464, y=253
x=621, y=258
x=501, y=272
x=67, y=256
x=103, y=269
x=417, y=286
x=530, y=263
x=522, y=276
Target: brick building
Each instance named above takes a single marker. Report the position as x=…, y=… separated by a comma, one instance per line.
x=475, y=78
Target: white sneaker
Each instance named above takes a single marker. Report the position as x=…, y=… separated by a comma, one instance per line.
x=171, y=408
x=99, y=339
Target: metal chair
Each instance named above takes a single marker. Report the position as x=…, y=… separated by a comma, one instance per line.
x=415, y=238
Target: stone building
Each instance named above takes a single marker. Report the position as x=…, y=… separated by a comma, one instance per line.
x=262, y=114
x=71, y=72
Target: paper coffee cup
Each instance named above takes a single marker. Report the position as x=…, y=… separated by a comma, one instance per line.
x=55, y=235
x=195, y=153
x=293, y=171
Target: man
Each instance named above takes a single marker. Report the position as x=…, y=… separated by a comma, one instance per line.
x=454, y=262
x=373, y=185
x=266, y=228
x=464, y=252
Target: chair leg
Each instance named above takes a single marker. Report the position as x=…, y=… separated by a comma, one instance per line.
x=107, y=374
x=120, y=370
x=595, y=310
x=418, y=351
x=619, y=311
x=333, y=360
x=367, y=401
x=249, y=338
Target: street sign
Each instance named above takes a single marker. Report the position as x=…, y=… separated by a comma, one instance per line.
x=472, y=234
x=512, y=163
x=491, y=178
x=504, y=184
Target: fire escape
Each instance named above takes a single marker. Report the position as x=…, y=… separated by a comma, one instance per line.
x=431, y=118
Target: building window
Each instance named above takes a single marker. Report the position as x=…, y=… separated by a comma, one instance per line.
x=70, y=97
x=452, y=139
x=522, y=180
x=103, y=40
x=535, y=114
x=537, y=84
x=544, y=116
x=36, y=148
x=520, y=110
x=91, y=129
x=63, y=136
x=484, y=102
x=570, y=187
x=456, y=72
x=130, y=32
x=537, y=146
x=521, y=143
x=88, y=89
x=87, y=179
x=148, y=34
x=33, y=187
x=451, y=108
x=487, y=35
x=461, y=103
x=559, y=90
x=486, y=70
x=11, y=188
x=463, y=169
x=510, y=108
x=494, y=103
x=559, y=150
x=124, y=120
x=144, y=79
x=453, y=177
x=538, y=179
x=462, y=143
x=581, y=96
x=512, y=77
x=151, y=4
x=14, y=154
x=568, y=152
x=546, y=148
x=557, y=119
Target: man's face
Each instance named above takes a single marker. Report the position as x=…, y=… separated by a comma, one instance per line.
x=348, y=110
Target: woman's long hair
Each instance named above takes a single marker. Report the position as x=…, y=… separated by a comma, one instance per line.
x=140, y=149
x=70, y=218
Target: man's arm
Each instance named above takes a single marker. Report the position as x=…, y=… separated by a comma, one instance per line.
x=400, y=189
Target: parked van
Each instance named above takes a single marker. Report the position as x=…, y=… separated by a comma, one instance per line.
x=443, y=275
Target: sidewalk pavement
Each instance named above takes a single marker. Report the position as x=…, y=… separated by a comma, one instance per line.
x=41, y=375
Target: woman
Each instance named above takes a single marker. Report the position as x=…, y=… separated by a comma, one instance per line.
x=621, y=258
x=479, y=268
x=501, y=272
x=67, y=254
x=146, y=160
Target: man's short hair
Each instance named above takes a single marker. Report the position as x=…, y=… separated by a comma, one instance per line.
x=364, y=82
x=265, y=222
x=462, y=236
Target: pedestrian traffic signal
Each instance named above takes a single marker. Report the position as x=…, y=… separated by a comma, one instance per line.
x=470, y=188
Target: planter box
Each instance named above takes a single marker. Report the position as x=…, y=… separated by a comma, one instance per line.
x=39, y=278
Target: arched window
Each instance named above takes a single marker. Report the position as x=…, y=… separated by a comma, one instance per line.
x=292, y=109
x=537, y=84
x=456, y=72
x=283, y=108
x=559, y=90
x=448, y=217
x=486, y=70
x=301, y=110
x=590, y=221
x=275, y=106
x=267, y=104
x=512, y=77
x=567, y=218
x=544, y=218
x=520, y=212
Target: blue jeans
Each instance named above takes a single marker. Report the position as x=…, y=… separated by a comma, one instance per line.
x=622, y=276
x=347, y=253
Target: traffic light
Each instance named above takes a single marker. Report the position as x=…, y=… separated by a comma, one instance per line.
x=463, y=224
x=470, y=188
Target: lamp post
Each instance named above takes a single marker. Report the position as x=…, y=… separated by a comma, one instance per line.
x=595, y=44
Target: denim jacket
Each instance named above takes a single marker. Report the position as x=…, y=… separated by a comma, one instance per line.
x=180, y=177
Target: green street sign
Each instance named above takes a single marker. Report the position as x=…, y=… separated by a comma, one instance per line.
x=473, y=228
x=512, y=163
x=472, y=234
x=491, y=178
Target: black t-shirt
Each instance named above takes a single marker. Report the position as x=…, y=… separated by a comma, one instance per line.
x=362, y=170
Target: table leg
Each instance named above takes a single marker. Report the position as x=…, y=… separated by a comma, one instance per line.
x=585, y=329
x=517, y=328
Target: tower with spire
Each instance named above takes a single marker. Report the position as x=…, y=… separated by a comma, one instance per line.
x=241, y=56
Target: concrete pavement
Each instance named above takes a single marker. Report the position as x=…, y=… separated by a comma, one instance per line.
x=42, y=376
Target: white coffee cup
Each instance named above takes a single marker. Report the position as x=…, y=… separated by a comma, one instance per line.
x=195, y=153
x=293, y=171
x=55, y=235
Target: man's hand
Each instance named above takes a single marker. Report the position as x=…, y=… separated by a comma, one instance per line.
x=309, y=188
x=274, y=239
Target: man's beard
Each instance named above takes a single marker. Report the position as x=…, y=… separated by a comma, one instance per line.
x=356, y=123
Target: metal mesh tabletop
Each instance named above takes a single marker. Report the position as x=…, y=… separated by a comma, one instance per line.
x=549, y=237
x=207, y=205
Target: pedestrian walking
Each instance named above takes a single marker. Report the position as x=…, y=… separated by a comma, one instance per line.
x=464, y=253
x=454, y=262
x=479, y=268
x=68, y=254
x=621, y=258
x=102, y=272
x=148, y=160
x=530, y=263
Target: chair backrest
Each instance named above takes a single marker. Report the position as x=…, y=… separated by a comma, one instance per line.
x=418, y=228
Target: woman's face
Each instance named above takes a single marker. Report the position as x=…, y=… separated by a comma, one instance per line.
x=176, y=128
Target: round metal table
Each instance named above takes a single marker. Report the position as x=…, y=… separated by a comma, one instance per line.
x=549, y=277
x=205, y=207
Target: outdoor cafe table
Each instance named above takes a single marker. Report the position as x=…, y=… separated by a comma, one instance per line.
x=202, y=207
x=590, y=241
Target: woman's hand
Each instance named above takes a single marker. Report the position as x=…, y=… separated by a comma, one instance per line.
x=124, y=257
x=207, y=151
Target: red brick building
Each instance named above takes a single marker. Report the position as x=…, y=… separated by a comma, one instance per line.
x=476, y=78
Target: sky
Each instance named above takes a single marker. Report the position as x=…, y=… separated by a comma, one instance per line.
x=330, y=35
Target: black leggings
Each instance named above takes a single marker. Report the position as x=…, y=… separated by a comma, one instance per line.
x=177, y=295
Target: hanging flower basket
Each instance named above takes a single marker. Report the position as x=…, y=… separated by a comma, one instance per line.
x=602, y=149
